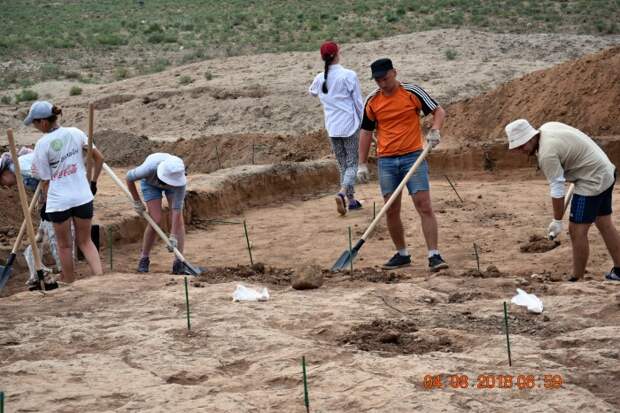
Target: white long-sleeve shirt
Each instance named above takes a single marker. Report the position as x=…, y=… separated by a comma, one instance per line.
x=342, y=104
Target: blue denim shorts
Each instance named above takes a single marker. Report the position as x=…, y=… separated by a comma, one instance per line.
x=392, y=170
x=176, y=195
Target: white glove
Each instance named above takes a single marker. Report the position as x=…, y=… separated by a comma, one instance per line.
x=172, y=243
x=362, y=173
x=138, y=206
x=433, y=138
x=555, y=228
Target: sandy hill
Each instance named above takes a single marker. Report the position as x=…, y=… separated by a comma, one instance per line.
x=584, y=93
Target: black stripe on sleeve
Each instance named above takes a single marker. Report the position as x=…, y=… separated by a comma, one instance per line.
x=367, y=123
x=428, y=103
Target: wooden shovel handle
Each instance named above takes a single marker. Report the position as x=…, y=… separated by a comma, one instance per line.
x=22, y=228
x=23, y=199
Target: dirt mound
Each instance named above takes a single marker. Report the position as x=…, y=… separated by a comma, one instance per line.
x=397, y=337
x=210, y=153
x=584, y=93
x=537, y=243
x=256, y=273
x=11, y=216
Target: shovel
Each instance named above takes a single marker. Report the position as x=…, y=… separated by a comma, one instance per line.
x=5, y=271
x=189, y=268
x=349, y=255
x=28, y=219
x=567, y=199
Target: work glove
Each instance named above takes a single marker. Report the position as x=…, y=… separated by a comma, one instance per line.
x=362, y=173
x=433, y=138
x=93, y=187
x=172, y=243
x=555, y=228
x=138, y=206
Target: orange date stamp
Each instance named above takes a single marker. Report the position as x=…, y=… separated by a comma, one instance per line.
x=493, y=381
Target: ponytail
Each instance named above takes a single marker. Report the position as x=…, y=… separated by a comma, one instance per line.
x=327, y=62
x=56, y=111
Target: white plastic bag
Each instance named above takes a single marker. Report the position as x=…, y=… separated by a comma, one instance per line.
x=533, y=303
x=243, y=293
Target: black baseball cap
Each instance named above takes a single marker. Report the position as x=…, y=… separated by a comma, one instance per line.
x=380, y=67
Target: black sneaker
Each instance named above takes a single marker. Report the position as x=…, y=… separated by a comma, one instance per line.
x=612, y=276
x=397, y=261
x=436, y=263
x=143, y=265
x=177, y=267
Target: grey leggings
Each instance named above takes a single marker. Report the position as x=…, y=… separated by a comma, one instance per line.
x=346, y=151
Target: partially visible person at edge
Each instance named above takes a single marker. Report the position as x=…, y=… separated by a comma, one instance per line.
x=159, y=174
x=68, y=196
x=341, y=96
x=45, y=234
x=565, y=154
x=394, y=112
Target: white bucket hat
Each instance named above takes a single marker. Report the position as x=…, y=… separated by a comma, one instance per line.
x=519, y=132
x=172, y=171
x=40, y=109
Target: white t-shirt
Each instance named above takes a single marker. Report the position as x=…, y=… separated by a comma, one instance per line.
x=58, y=159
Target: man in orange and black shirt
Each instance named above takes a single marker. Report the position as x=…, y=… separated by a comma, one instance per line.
x=393, y=110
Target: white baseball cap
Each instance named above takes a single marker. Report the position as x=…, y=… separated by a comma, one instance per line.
x=172, y=171
x=40, y=109
x=519, y=132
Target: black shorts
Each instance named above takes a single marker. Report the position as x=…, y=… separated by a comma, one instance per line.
x=585, y=209
x=84, y=211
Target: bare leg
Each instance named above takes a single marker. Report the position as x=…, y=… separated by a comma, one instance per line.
x=422, y=202
x=581, y=249
x=86, y=245
x=154, y=209
x=394, y=223
x=610, y=235
x=65, y=249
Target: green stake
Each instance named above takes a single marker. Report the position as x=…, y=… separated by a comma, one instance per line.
x=110, y=249
x=189, y=326
x=252, y=152
x=247, y=240
x=454, y=189
x=1, y=402
x=507, y=337
x=350, y=249
x=374, y=210
x=306, y=398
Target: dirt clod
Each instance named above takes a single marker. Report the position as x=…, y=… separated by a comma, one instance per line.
x=307, y=277
x=537, y=243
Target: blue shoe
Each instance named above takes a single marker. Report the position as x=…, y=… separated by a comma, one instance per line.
x=143, y=265
x=397, y=261
x=612, y=276
x=341, y=205
x=355, y=204
x=436, y=263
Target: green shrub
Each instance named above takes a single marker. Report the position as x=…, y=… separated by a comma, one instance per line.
x=450, y=54
x=185, y=80
x=208, y=75
x=5, y=100
x=26, y=95
x=121, y=73
x=159, y=37
x=112, y=40
x=75, y=91
x=50, y=71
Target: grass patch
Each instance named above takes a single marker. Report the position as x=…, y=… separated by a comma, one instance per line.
x=209, y=28
x=75, y=91
x=6, y=100
x=185, y=80
x=450, y=54
x=26, y=95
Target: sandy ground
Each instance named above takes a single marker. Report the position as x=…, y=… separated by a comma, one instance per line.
x=268, y=93
x=119, y=342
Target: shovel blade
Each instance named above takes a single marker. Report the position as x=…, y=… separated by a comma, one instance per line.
x=345, y=260
x=6, y=271
x=190, y=269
